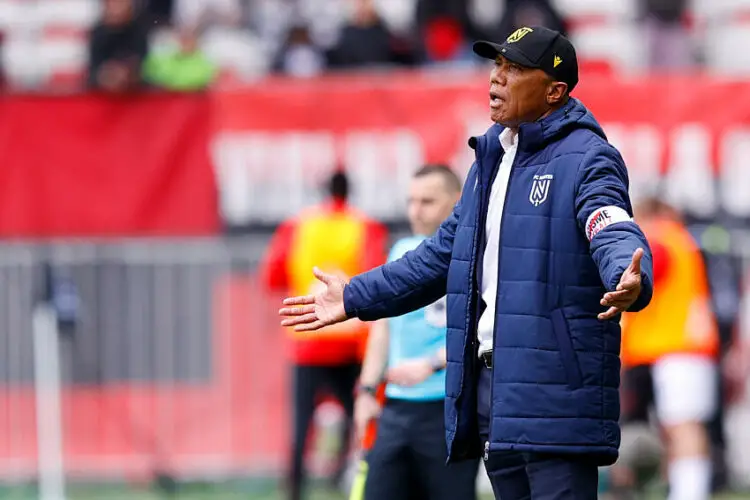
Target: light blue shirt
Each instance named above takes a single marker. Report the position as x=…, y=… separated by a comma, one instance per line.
x=418, y=334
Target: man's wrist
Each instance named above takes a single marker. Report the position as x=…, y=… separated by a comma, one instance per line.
x=365, y=388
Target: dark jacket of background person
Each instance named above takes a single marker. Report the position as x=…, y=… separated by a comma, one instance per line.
x=117, y=47
x=530, y=13
x=365, y=41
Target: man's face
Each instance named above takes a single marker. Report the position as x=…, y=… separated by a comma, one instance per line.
x=430, y=203
x=117, y=12
x=517, y=94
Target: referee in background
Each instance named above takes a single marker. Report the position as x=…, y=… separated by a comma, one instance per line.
x=408, y=458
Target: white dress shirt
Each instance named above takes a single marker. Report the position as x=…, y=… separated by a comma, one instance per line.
x=488, y=286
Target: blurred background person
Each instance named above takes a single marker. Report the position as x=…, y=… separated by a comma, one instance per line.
x=300, y=56
x=365, y=40
x=530, y=13
x=668, y=39
x=669, y=353
x=346, y=242
x=724, y=270
x=117, y=47
x=409, y=455
x=182, y=68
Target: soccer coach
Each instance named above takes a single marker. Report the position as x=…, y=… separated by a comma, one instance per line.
x=538, y=260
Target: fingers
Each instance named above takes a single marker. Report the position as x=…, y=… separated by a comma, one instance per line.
x=635, y=265
x=610, y=313
x=309, y=327
x=615, y=296
x=296, y=311
x=325, y=278
x=297, y=301
x=622, y=299
x=300, y=320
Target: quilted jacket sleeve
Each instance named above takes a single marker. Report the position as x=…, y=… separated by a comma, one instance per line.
x=605, y=215
x=415, y=280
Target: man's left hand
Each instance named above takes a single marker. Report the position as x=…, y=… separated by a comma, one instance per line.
x=411, y=372
x=627, y=290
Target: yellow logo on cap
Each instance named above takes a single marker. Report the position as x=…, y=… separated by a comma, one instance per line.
x=518, y=34
x=556, y=62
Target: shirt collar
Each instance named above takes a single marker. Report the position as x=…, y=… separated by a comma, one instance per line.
x=508, y=139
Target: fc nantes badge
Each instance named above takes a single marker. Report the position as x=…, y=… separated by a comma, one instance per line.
x=518, y=34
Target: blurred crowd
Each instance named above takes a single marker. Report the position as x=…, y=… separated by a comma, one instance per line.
x=189, y=44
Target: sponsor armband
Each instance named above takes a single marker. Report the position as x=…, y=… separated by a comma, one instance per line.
x=603, y=217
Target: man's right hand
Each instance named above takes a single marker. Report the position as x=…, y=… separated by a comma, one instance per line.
x=313, y=312
x=366, y=409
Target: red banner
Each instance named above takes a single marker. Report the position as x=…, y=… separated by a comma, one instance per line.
x=276, y=141
x=93, y=165
x=98, y=166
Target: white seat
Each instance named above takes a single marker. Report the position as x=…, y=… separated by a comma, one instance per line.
x=324, y=19
x=19, y=16
x=78, y=14
x=622, y=44
x=236, y=50
x=717, y=10
x=610, y=9
x=399, y=15
x=726, y=52
x=64, y=54
x=21, y=62
x=189, y=12
x=9, y=13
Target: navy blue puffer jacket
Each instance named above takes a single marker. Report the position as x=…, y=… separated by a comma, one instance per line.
x=567, y=235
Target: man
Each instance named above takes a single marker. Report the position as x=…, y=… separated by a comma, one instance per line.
x=408, y=457
x=539, y=259
x=345, y=242
x=185, y=68
x=117, y=48
x=670, y=353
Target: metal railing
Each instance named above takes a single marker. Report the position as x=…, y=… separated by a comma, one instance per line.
x=174, y=364
x=170, y=362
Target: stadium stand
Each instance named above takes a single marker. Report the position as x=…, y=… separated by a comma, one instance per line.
x=45, y=41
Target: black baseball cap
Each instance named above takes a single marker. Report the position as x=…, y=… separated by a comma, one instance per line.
x=536, y=47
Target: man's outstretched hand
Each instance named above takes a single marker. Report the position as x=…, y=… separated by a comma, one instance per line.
x=312, y=312
x=627, y=290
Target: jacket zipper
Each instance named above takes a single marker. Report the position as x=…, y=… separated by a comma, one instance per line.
x=476, y=238
x=497, y=293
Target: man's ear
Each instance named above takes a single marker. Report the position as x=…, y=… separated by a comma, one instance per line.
x=556, y=92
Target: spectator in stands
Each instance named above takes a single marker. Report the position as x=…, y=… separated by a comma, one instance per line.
x=185, y=68
x=668, y=39
x=365, y=41
x=530, y=13
x=445, y=43
x=299, y=56
x=117, y=48
x=345, y=242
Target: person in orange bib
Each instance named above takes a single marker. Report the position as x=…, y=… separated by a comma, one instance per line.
x=669, y=352
x=342, y=241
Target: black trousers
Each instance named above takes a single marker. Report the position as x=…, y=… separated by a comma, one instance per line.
x=407, y=461
x=537, y=476
x=309, y=382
